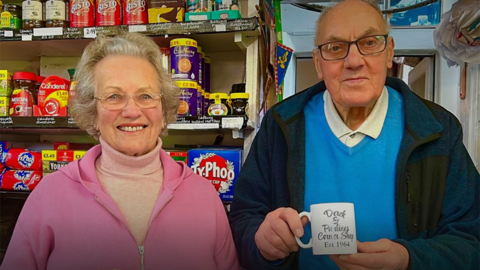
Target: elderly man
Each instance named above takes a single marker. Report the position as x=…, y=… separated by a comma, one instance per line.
x=359, y=137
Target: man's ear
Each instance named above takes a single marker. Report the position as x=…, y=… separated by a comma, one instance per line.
x=390, y=52
x=316, y=59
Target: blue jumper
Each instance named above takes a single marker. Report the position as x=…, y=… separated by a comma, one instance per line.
x=363, y=174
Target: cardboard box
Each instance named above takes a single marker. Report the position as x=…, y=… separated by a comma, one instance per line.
x=5, y=83
x=4, y=105
x=219, y=166
x=62, y=155
x=166, y=14
x=198, y=16
x=178, y=155
x=166, y=3
x=226, y=14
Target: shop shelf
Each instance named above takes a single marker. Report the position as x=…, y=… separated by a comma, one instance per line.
x=14, y=194
x=70, y=42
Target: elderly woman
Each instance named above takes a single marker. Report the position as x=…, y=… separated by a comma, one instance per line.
x=126, y=204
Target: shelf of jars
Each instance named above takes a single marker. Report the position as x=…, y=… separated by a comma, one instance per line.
x=23, y=124
x=155, y=29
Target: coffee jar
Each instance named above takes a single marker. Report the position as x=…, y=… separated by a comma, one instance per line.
x=23, y=96
x=32, y=14
x=56, y=13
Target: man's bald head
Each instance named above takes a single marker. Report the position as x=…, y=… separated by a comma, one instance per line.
x=324, y=15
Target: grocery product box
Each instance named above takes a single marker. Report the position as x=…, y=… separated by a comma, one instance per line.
x=160, y=11
x=62, y=155
x=219, y=166
x=55, y=159
x=4, y=105
x=5, y=83
x=166, y=14
x=226, y=14
x=178, y=155
x=198, y=16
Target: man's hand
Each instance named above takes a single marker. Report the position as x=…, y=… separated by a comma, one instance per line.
x=275, y=237
x=381, y=254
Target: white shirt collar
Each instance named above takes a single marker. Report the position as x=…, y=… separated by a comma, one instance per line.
x=372, y=126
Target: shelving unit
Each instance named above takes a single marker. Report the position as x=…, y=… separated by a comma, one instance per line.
x=232, y=45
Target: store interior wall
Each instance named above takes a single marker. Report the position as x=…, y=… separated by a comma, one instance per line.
x=298, y=33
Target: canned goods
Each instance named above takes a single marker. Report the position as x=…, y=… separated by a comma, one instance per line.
x=206, y=102
x=82, y=13
x=206, y=74
x=183, y=59
x=199, y=101
x=135, y=12
x=188, y=98
x=198, y=70
x=109, y=12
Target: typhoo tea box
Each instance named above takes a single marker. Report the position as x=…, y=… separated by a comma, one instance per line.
x=219, y=166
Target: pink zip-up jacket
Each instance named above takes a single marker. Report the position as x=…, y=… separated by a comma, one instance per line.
x=69, y=222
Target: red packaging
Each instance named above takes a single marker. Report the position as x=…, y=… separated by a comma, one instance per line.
x=61, y=145
x=109, y=12
x=82, y=13
x=22, y=159
x=135, y=12
x=65, y=155
x=53, y=96
x=20, y=180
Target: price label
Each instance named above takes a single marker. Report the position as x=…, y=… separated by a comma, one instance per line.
x=49, y=31
x=137, y=28
x=232, y=122
x=8, y=33
x=26, y=37
x=90, y=32
x=220, y=28
x=206, y=126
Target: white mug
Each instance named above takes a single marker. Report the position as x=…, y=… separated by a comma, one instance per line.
x=333, y=229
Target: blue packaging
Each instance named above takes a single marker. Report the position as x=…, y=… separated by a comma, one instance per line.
x=219, y=166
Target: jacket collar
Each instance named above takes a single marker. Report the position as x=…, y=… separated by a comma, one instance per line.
x=418, y=114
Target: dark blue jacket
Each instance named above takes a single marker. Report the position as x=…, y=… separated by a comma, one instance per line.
x=437, y=185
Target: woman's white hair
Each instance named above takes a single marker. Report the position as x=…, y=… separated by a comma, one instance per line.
x=83, y=107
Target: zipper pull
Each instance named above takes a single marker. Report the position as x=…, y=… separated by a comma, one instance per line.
x=409, y=186
x=141, y=249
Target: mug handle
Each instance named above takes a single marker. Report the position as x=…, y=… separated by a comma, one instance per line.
x=299, y=242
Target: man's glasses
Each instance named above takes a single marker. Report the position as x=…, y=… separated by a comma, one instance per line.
x=116, y=101
x=366, y=46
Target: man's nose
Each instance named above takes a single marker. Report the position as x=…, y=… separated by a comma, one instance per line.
x=354, y=58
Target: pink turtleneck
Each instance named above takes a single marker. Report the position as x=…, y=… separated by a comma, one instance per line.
x=133, y=182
